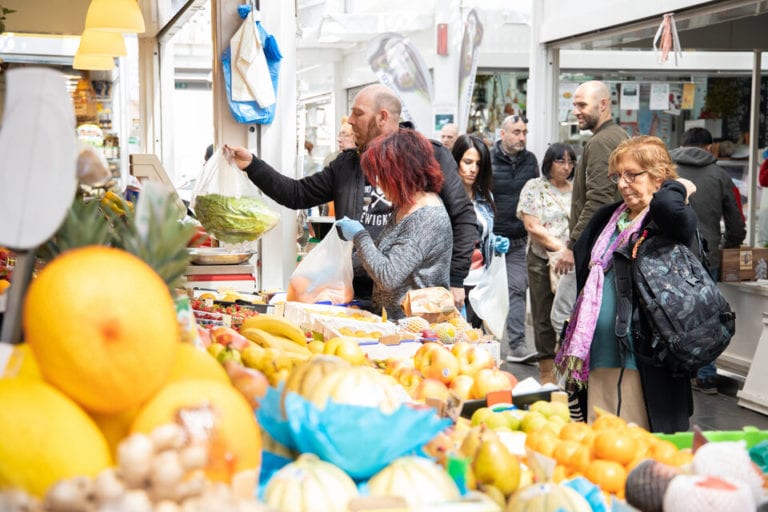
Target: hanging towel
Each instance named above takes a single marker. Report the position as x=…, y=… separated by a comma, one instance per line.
x=250, y=74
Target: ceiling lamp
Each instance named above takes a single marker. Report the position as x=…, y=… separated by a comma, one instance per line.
x=122, y=16
x=93, y=62
x=102, y=44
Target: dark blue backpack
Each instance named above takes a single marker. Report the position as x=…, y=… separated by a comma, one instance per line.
x=679, y=318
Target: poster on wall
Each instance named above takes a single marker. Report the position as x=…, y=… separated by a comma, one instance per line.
x=630, y=96
x=675, y=99
x=689, y=96
x=398, y=64
x=659, y=96
x=469, y=55
x=565, y=99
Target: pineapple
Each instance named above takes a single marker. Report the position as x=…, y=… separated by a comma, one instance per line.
x=413, y=324
x=152, y=231
x=446, y=332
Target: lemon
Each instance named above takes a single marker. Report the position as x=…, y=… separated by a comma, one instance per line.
x=45, y=437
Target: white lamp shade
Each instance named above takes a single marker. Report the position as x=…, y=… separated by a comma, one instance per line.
x=102, y=44
x=93, y=62
x=122, y=16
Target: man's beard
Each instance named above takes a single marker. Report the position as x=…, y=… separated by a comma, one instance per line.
x=372, y=131
x=590, y=122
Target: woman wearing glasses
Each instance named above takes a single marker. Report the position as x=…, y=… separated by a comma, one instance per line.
x=591, y=355
x=544, y=208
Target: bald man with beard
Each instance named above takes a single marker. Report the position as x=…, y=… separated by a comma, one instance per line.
x=591, y=186
x=375, y=111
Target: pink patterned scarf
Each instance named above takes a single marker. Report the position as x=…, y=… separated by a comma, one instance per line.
x=572, y=359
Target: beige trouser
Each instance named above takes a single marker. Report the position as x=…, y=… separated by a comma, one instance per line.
x=602, y=392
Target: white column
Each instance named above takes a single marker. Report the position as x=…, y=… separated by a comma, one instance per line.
x=446, y=67
x=543, y=78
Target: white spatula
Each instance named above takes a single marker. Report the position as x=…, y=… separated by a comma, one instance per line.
x=37, y=173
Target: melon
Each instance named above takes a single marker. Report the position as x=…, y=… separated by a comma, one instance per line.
x=547, y=497
x=704, y=493
x=419, y=481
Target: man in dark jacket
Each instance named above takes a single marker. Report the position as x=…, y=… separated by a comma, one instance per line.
x=513, y=166
x=714, y=199
x=375, y=111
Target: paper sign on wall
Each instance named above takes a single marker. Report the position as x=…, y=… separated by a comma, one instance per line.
x=659, y=96
x=689, y=95
x=630, y=96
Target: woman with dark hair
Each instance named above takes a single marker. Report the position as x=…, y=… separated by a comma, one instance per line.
x=474, y=161
x=544, y=208
x=414, y=248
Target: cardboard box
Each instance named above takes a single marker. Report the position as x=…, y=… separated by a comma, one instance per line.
x=742, y=264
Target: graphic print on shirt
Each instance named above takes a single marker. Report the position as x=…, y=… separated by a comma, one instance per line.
x=376, y=209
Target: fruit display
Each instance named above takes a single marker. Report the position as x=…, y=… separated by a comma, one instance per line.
x=464, y=368
x=417, y=480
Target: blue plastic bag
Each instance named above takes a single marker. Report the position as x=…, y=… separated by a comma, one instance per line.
x=359, y=440
x=249, y=112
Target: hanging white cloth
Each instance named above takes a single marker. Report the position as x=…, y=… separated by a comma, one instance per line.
x=250, y=75
x=666, y=36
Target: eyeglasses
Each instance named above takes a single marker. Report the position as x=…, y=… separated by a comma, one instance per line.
x=563, y=161
x=629, y=177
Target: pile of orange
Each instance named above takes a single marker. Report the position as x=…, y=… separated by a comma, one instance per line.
x=603, y=452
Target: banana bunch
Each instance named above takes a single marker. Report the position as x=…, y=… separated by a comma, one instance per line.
x=116, y=203
x=277, y=346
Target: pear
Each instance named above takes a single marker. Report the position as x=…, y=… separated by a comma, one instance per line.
x=495, y=465
x=473, y=438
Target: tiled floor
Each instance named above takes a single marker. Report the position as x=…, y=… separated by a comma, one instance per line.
x=711, y=412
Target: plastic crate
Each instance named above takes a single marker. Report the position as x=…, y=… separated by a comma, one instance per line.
x=751, y=435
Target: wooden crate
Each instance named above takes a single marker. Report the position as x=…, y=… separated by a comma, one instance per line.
x=741, y=264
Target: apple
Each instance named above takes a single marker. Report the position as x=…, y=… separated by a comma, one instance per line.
x=252, y=384
x=471, y=359
x=431, y=388
x=436, y=362
x=478, y=417
x=488, y=380
x=497, y=421
x=393, y=363
x=541, y=406
x=347, y=349
x=409, y=378
x=227, y=336
x=512, y=378
x=532, y=422
x=462, y=386
x=560, y=410
x=513, y=417
x=428, y=334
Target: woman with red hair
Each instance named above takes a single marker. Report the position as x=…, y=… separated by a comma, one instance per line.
x=414, y=248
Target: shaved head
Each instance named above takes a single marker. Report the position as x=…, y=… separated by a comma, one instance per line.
x=375, y=111
x=592, y=104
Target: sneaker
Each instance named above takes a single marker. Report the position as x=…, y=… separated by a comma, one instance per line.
x=706, y=386
x=521, y=354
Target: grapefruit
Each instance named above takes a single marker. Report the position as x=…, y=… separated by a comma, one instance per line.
x=46, y=437
x=235, y=442
x=102, y=326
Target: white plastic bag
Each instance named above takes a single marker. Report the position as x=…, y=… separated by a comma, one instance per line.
x=325, y=274
x=226, y=202
x=490, y=298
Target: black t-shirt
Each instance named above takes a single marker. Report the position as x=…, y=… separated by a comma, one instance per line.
x=376, y=210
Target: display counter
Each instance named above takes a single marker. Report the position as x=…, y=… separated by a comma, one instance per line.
x=749, y=300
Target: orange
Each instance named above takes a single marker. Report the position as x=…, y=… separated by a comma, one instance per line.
x=681, y=458
x=574, y=431
x=564, y=451
x=542, y=441
x=102, y=326
x=581, y=458
x=663, y=450
x=609, y=475
x=606, y=420
x=235, y=437
x=616, y=445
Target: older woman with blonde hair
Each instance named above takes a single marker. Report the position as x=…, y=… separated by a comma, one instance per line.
x=654, y=201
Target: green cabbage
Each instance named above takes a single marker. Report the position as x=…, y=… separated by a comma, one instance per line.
x=234, y=219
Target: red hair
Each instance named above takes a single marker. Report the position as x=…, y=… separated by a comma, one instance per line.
x=402, y=164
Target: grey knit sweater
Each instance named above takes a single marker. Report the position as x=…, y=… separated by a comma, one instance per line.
x=414, y=253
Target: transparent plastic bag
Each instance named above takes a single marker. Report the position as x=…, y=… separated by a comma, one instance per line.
x=325, y=274
x=226, y=202
x=490, y=298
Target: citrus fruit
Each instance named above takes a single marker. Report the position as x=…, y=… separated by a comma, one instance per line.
x=21, y=362
x=102, y=326
x=46, y=437
x=235, y=439
x=194, y=363
x=609, y=475
x=574, y=431
x=616, y=445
